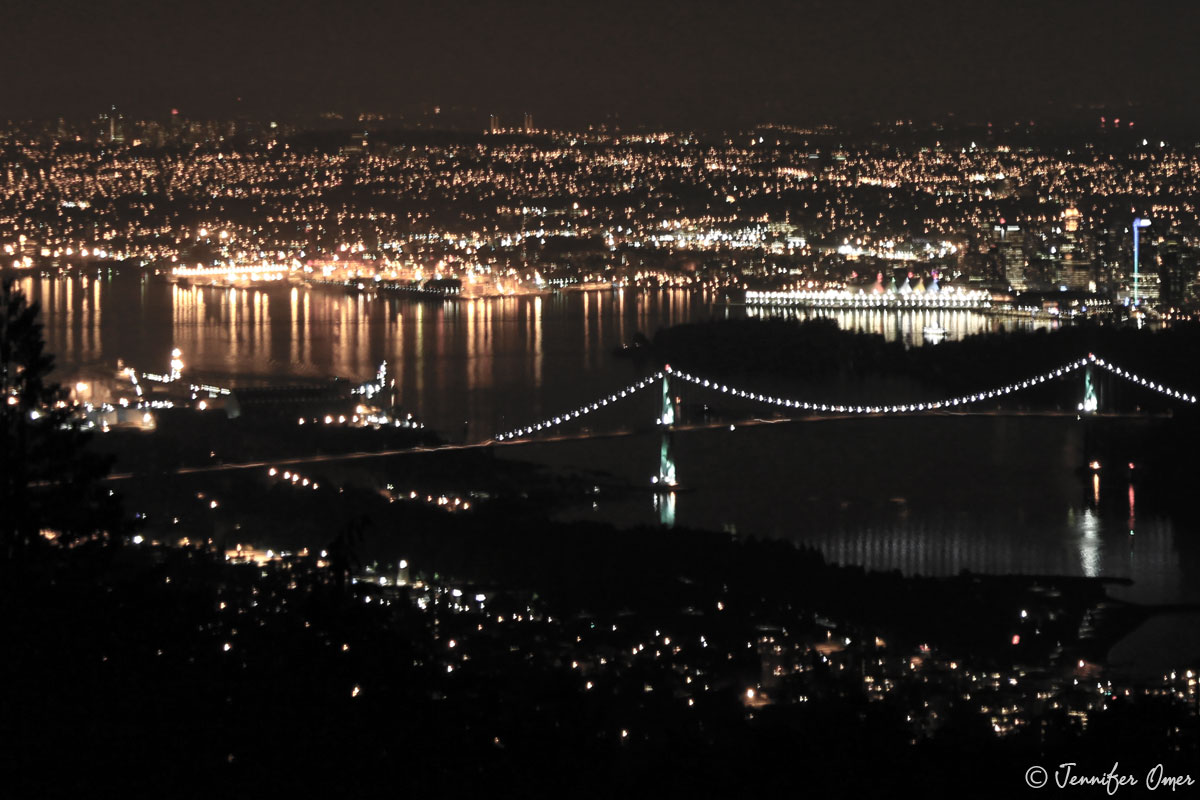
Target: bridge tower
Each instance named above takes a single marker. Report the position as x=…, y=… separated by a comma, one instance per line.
x=666, y=479
x=667, y=417
x=1091, y=401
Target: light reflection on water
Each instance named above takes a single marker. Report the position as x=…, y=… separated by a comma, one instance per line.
x=922, y=496
x=492, y=362
x=505, y=361
x=927, y=496
x=910, y=327
x=495, y=362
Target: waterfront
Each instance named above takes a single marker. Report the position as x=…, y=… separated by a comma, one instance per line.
x=927, y=496
x=496, y=362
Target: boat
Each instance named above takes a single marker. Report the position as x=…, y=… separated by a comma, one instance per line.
x=935, y=333
x=590, y=286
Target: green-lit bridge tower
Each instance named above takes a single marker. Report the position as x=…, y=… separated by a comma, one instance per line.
x=666, y=481
x=666, y=420
x=1091, y=401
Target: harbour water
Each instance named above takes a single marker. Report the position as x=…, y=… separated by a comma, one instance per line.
x=929, y=496
x=496, y=362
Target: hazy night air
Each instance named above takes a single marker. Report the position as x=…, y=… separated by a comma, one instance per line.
x=673, y=63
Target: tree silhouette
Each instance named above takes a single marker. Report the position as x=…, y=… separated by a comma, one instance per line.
x=48, y=480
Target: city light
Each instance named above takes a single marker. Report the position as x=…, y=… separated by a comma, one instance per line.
x=882, y=493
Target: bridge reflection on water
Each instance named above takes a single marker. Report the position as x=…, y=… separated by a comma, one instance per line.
x=932, y=495
x=987, y=493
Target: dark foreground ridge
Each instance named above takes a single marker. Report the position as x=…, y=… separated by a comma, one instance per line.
x=565, y=657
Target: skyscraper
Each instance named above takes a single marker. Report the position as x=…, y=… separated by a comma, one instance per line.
x=528, y=122
x=1176, y=272
x=1075, y=264
x=116, y=134
x=1010, y=249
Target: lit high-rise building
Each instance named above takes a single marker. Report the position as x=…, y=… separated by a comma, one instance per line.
x=116, y=133
x=528, y=121
x=1074, y=265
x=1177, y=272
x=1010, y=248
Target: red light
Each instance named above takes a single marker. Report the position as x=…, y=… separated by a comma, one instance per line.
x=1016, y=638
x=174, y=112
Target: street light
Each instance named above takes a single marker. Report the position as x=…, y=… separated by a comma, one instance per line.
x=1138, y=224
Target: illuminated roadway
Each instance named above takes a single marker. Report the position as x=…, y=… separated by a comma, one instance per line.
x=521, y=436
x=585, y=435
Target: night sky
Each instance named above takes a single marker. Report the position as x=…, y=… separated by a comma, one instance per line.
x=702, y=63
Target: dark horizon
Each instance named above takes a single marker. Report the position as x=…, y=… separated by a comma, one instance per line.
x=694, y=64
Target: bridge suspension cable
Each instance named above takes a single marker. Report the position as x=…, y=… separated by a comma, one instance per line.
x=897, y=408
x=583, y=410
x=1140, y=381
x=937, y=405
x=844, y=408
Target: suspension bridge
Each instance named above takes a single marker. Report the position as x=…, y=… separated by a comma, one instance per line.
x=1088, y=404
x=551, y=428
x=666, y=479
